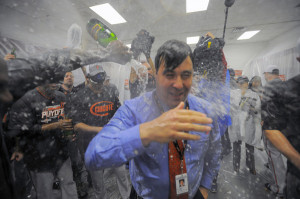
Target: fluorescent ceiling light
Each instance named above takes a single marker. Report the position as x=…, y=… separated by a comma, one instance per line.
x=196, y=5
x=107, y=12
x=128, y=45
x=248, y=34
x=192, y=40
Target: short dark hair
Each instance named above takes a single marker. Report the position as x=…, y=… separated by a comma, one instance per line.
x=69, y=72
x=275, y=72
x=172, y=53
x=242, y=79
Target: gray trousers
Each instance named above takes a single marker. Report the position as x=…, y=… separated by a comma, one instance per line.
x=43, y=183
x=250, y=161
x=111, y=183
x=117, y=179
x=97, y=181
x=276, y=165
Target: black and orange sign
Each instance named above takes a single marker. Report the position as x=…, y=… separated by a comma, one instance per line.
x=238, y=73
x=282, y=77
x=102, y=108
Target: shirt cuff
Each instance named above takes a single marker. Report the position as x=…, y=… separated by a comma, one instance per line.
x=206, y=182
x=131, y=142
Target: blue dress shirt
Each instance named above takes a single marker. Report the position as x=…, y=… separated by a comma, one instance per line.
x=119, y=141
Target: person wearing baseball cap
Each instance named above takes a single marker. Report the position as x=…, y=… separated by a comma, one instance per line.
x=91, y=108
x=284, y=130
x=245, y=117
x=96, y=74
x=272, y=90
x=242, y=79
x=271, y=72
x=233, y=83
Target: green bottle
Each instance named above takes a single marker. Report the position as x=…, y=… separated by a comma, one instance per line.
x=13, y=52
x=100, y=32
x=68, y=133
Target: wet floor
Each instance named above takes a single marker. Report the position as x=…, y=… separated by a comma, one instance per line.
x=243, y=185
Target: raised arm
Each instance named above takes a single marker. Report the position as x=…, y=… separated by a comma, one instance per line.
x=123, y=139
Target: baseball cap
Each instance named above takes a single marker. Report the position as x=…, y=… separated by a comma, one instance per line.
x=97, y=73
x=272, y=69
x=231, y=72
x=242, y=79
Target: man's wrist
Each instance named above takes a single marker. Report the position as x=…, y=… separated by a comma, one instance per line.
x=144, y=135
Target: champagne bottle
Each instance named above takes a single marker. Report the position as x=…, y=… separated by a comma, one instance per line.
x=100, y=32
x=13, y=52
x=68, y=133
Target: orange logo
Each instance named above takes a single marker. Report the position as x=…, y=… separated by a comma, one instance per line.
x=102, y=108
x=126, y=83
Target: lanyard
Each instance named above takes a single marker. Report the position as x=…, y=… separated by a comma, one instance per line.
x=180, y=152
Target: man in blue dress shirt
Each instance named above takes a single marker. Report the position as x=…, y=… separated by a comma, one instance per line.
x=141, y=129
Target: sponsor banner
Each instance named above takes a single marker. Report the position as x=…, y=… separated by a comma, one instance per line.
x=102, y=108
x=238, y=73
x=282, y=77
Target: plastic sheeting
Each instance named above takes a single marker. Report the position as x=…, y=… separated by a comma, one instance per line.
x=74, y=37
x=23, y=50
x=285, y=60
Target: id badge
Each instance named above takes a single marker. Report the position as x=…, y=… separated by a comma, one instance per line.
x=181, y=184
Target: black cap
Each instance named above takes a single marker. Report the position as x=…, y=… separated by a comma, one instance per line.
x=97, y=73
x=242, y=79
x=231, y=72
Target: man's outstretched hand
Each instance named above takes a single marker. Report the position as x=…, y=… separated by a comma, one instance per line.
x=173, y=124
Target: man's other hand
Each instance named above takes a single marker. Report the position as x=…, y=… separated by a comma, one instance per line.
x=9, y=56
x=204, y=192
x=17, y=156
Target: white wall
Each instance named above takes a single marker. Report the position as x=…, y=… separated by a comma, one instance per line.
x=280, y=51
x=240, y=55
x=237, y=55
x=282, y=42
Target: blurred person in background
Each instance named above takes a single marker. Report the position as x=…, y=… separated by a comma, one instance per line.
x=212, y=83
x=283, y=130
x=79, y=171
x=245, y=113
x=151, y=80
x=90, y=109
x=256, y=86
x=6, y=175
x=233, y=84
x=37, y=119
x=273, y=89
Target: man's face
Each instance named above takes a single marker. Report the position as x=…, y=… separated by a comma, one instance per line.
x=256, y=83
x=95, y=85
x=173, y=86
x=50, y=89
x=97, y=81
x=68, y=79
x=266, y=76
x=243, y=85
x=181, y=183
